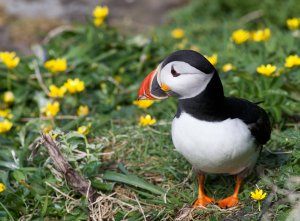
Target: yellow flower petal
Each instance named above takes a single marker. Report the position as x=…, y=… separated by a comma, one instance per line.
x=228, y=67
x=147, y=120
x=240, y=36
x=100, y=12
x=74, y=86
x=212, y=59
x=177, y=33
x=8, y=97
x=56, y=65
x=258, y=195
x=266, y=70
x=83, y=110
x=9, y=59
x=6, y=113
x=46, y=128
x=5, y=126
x=143, y=103
x=2, y=187
x=84, y=130
x=56, y=92
x=293, y=23
x=292, y=61
x=263, y=196
x=98, y=21
x=51, y=109
x=260, y=35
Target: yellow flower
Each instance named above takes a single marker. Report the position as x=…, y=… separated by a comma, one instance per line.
x=213, y=59
x=177, y=33
x=51, y=109
x=228, y=67
x=103, y=87
x=261, y=35
x=5, y=126
x=55, y=91
x=8, y=97
x=84, y=130
x=266, y=70
x=258, y=195
x=143, y=103
x=98, y=21
x=83, y=110
x=2, y=187
x=10, y=59
x=118, y=79
x=291, y=61
x=6, y=113
x=293, y=23
x=46, y=128
x=147, y=120
x=181, y=45
x=100, y=12
x=56, y=65
x=74, y=86
x=53, y=134
x=240, y=36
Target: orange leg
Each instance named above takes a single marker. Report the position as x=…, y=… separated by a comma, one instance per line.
x=202, y=200
x=232, y=200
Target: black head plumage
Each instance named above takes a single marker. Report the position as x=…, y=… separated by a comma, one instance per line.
x=193, y=58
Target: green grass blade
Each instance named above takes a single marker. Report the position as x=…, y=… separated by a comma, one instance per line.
x=133, y=180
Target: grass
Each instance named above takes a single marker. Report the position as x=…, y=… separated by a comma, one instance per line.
x=136, y=169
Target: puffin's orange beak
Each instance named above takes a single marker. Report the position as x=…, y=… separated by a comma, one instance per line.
x=150, y=88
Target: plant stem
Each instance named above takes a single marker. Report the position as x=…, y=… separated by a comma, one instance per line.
x=8, y=81
x=8, y=213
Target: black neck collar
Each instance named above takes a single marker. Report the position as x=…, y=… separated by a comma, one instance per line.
x=208, y=104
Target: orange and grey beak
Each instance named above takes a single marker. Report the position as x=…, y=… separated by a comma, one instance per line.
x=151, y=88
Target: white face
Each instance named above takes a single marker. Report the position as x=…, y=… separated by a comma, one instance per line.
x=190, y=81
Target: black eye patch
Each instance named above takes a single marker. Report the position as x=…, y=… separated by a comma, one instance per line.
x=173, y=72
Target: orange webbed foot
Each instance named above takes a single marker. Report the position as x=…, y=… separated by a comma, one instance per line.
x=203, y=202
x=228, y=202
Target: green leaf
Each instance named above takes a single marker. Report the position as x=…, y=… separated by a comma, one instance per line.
x=9, y=165
x=91, y=168
x=133, y=180
x=19, y=175
x=45, y=206
x=102, y=186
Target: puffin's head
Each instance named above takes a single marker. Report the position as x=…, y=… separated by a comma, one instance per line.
x=183, y=74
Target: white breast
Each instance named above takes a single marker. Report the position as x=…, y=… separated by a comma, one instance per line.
x=215, y=147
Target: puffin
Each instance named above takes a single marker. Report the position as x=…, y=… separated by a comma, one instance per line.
x=214, y=133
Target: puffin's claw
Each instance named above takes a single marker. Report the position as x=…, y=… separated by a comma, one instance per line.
x=228, y=202
x=203, y=202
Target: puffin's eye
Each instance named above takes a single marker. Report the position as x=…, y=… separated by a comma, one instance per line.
x=174, y=73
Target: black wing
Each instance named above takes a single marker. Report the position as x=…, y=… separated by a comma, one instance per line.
x=254, y=116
